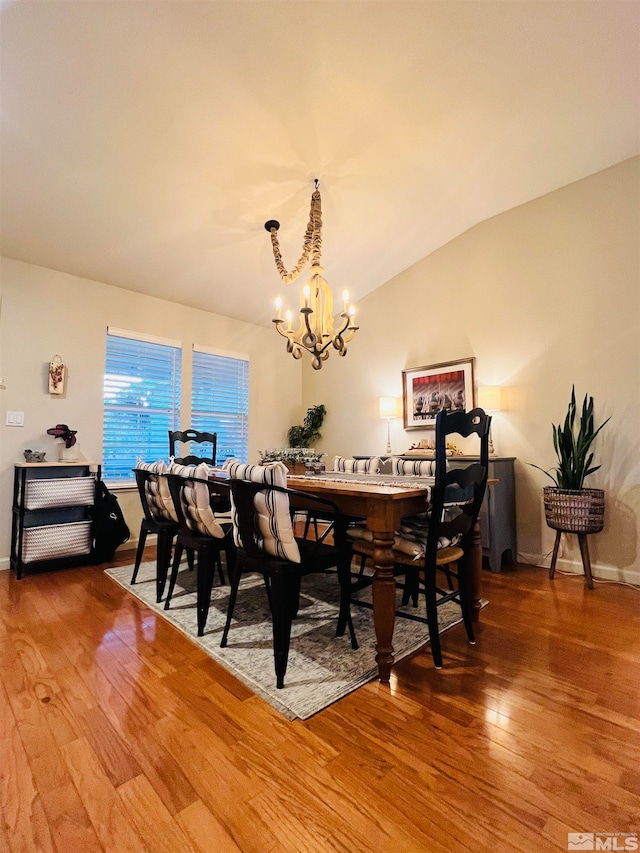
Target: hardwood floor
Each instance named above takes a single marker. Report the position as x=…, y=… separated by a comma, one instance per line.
x=117, y=734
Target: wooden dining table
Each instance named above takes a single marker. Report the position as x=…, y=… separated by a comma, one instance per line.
x=383, y=505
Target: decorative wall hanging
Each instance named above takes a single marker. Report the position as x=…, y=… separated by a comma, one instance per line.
x=56, y=375
x=428, y=390
x=317, y=331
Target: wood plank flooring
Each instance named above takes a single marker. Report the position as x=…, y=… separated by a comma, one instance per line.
x=117, y=734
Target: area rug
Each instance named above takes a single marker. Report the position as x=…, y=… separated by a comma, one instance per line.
x=322, y=667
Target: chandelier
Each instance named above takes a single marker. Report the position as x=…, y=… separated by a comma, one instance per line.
x=318, y=330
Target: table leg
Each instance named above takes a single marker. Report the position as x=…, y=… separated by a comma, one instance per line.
x=384, y=603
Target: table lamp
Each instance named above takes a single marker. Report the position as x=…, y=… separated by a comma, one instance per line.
x=490, y=399
x=390, y=407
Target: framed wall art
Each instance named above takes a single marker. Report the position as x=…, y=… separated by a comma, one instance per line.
x=449, y=386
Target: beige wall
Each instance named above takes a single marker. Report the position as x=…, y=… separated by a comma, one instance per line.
x=543, y=296
x=45, y=313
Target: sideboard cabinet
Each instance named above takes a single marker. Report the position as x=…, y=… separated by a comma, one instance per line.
x=51, y=519
x=498, y=513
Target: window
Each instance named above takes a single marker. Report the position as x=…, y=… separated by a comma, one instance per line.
x=141, y=400
x=220, y=400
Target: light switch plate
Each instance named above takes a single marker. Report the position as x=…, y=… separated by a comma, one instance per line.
x=15, y=419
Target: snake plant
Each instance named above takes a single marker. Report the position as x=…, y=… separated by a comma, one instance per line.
x=574, y=450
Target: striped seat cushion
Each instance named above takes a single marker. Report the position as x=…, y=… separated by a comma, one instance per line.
x=411, y=537
x=413, y=467
x=196, y=503
x=157, y=490
x=357, y=466
x=275, y=535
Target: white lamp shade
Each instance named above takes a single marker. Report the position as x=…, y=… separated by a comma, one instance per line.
x=390, y=407
x=490, y=398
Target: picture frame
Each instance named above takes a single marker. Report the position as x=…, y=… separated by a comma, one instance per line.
x=428, y=390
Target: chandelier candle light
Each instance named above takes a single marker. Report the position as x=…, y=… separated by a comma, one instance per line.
x=318, y=331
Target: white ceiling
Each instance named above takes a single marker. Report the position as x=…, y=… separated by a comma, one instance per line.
x=145, y=143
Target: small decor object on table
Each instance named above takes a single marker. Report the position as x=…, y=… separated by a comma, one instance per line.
x=568, y=506
x=34, y=455
x=68, y=450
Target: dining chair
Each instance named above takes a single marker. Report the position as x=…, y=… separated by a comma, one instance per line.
x=192, y=435
x=159, y=518
x=441, y=538
x=202, y=532
x=262, y=509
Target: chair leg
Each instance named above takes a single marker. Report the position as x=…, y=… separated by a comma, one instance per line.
x=446, y=570
x=230, y=557
x=344, y=616
x=205, y=570
x=190, y=559
x=307, y=525
x=466, y=603
x=283, y=596
x=294, y=596
x=219, y=565
x=411, y=586
x=234, y=579
x=359, y=580
x=142, y=538
x=432, y=617
x=163, y=559
x=177, y=557
x=267, y=587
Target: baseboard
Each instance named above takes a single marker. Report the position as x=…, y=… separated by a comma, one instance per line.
x=601, y=571
x=129, y=546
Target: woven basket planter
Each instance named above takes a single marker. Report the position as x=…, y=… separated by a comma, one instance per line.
x=580, y=511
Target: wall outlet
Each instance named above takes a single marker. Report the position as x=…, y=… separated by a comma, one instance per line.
x=15, y=419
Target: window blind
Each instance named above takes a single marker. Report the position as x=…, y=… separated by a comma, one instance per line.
x=220, y=402
x=141, y=402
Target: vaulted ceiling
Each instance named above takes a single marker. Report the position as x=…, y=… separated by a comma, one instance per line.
x=145, y=143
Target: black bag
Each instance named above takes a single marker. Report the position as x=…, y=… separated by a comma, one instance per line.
x=109, y=527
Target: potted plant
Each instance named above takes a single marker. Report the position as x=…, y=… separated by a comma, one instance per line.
x=569, y=507
x=307, y=433
x=67, y=442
